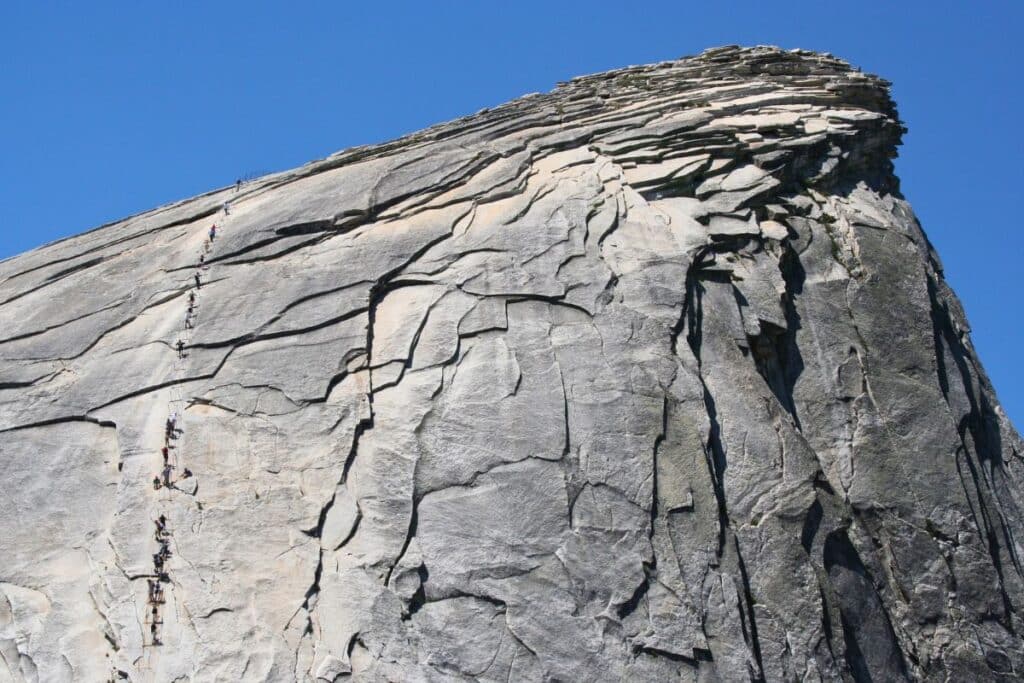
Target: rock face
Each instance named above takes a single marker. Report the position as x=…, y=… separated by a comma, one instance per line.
x=654, y=377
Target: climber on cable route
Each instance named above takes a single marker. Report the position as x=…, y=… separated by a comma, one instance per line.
x=158, y=560
x=199, y=282
x=156, y=591
x=213, y=231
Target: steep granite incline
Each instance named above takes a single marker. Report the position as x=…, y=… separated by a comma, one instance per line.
x=653, y=377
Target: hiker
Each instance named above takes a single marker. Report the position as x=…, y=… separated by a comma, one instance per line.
x=164, y=452
x=191, y=298
x=199, y=283
x=156, y=483
x=227, y=208
x=238, y=185
x=188, y=322
x=213, y=231
x=181, y=348
x=167, y=476
x=202, y=259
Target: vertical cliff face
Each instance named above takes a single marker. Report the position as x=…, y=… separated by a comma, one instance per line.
x=653, y=377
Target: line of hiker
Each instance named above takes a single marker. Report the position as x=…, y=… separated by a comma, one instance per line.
x=162, y=534
x=156, y=585
x=169, y=461
x=164, y=479
x=197, y=277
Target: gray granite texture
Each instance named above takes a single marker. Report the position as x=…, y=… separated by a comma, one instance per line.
x=654, y=377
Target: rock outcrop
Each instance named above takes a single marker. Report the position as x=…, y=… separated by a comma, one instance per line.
x=653, y=377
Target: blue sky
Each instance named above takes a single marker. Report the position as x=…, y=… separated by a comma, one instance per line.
x=107, y=109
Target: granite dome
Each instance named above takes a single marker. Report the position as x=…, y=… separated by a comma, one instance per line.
x=652, y=377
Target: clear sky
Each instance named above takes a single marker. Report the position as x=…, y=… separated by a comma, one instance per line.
x=110, y=108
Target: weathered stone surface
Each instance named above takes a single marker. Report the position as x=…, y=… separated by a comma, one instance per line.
x=653, y=377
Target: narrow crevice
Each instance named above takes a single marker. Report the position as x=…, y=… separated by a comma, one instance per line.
x=658, y=441
x=665, y=654
x=226, y=258
x=317, y=295
x=748, y=599
x=552, y=300
x=717, y=463
x=27, y=383
x=631, y=605
x=567, y=445
x=419, y=598
x=253, y=337
x=307, y=228
x=60, y=420
x=410, y=533
x=74, y=269
x=48, y=328
x=812, y=522
x=863, y=616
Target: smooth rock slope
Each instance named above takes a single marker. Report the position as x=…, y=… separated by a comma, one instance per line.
x=654, y=377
